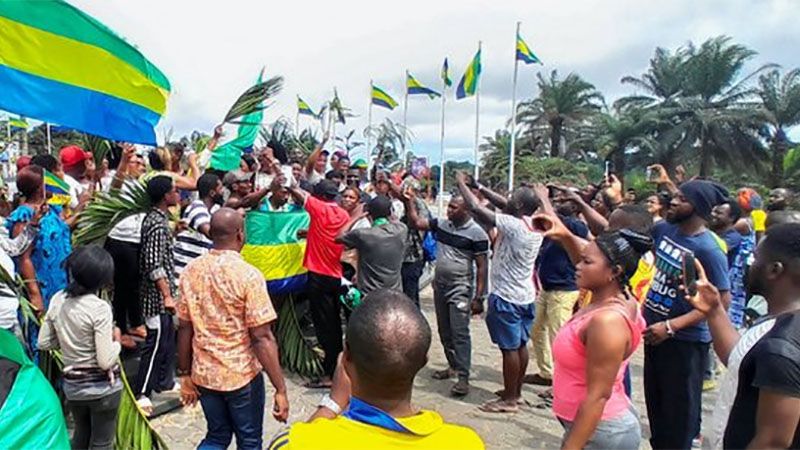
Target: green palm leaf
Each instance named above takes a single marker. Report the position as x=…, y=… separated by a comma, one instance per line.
x=252, y=99
x=106, y=210
x=297, y=355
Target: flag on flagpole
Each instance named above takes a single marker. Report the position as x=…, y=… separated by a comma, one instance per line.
x=47, y=47
x=415, y=87
x=303, y=108
x=524, y=53
x=18, y=123
x=57, y=187
x=469, y=82
x=446, y=74
x=337, y=108
x=381, y=98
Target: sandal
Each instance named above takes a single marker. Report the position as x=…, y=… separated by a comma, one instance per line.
x=318, y=384
x=499, y=406
x=460, y=389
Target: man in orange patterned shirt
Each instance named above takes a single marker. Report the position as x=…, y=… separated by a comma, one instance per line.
x=225, y=340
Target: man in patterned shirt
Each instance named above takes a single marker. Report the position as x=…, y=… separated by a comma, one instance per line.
x=158, y=289
x=225, y=339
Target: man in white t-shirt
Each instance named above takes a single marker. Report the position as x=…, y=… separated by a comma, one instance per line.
x=512, y=294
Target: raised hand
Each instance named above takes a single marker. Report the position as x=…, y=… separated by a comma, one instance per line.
x=707, y=298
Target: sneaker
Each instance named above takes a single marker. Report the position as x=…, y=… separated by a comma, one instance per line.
x=460, y=389
x=145, y=405
x=709, y=385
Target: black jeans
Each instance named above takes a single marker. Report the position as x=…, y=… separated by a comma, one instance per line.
x=323, y=295
x=452, y=303
x=411, y=273
x=95, y=421
x=673, y=388
x=126, y=303
x=239, y=412
x=157, y=359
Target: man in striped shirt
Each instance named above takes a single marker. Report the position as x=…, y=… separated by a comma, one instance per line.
x=194, y=241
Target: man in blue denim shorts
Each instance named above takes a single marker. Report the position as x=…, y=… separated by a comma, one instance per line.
x=511, y=303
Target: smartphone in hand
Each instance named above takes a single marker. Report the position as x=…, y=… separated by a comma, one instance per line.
x=689, y=274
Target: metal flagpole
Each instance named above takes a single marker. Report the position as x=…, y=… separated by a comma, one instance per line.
x=405, y=120
x=442, y=162
x=477, y=118
x=369, y=123
x=49, y=149
x=297, y=122
x=512, y=151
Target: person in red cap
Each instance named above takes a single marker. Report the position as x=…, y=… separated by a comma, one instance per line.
x=23, y=162
x=73, y=159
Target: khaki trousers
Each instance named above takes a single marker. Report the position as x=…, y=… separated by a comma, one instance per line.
x=553, y=309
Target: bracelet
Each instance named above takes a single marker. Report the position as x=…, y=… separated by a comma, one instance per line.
x=327, y=402
x=184, y=373
x=670, y=331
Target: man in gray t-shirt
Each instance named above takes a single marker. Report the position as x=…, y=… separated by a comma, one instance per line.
x=380, y=248
x=461, y=244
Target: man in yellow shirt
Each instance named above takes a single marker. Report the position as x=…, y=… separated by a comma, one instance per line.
x=369, y=406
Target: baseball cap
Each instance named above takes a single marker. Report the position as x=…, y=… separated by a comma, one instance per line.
x=326, y=188
x=72, y=155
x=23, y=162
x=360, y=164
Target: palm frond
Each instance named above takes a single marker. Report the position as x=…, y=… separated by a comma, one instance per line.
x=296, y=354
x=97, y=146
x=252, y=100
x=106, y=210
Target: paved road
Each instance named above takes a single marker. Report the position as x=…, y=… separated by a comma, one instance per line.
x=530, y=428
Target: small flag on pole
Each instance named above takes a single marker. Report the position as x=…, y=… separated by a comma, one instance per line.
x=337, y=108
x=57, y=187
x=303, y=108
x=469, y=82
x=18, y=123
x=524, y=53
x=415, y=87
x=381, y=98
x=446, y=74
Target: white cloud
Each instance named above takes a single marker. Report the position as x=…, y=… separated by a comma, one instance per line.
x=212, y=51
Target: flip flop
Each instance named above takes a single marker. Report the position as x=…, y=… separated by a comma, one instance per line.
x=318, y=384
x=445, y=374
x=499, y=406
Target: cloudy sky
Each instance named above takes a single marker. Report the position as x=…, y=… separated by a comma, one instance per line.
x=212, y=51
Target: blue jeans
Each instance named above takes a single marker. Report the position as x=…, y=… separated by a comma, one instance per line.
x=623, y=432
x=239, y=412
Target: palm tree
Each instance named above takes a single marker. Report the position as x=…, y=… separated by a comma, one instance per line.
x=623, y=129
x=494, y=152
x=661, y=83
x=714, y=115
x=560, y=103
x=780, y=98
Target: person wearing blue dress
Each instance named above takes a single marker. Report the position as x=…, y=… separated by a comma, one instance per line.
x=42, y=265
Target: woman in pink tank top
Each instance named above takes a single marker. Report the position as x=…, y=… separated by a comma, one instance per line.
x=591, y=351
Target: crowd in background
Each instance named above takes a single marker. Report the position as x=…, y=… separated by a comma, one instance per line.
x=589, y=274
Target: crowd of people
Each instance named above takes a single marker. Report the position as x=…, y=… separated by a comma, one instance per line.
x=696, y=275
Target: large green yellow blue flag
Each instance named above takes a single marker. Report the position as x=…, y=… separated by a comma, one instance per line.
x=469, y=82
x=381, y=98
x=273, y=248
x=524, y=53
x=59, y=65
x=415, y=87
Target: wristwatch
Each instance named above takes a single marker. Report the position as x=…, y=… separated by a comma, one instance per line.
x=670, y=331
x=327, y=402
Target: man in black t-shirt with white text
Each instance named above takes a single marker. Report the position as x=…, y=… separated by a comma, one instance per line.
x=759, y=399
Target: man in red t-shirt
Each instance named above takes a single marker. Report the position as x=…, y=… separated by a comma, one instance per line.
x=322, y=259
